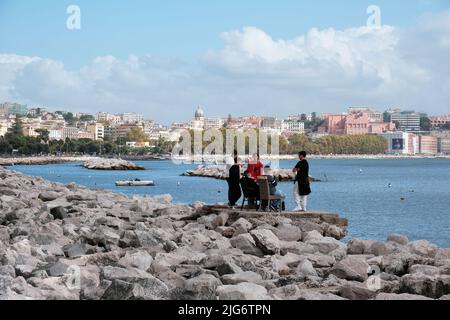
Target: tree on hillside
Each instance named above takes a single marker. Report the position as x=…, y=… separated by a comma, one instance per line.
x=44, y=135
x=425, y=123
x=87, y=118
x=137, y=135
x=17, y=128
x=69, y=118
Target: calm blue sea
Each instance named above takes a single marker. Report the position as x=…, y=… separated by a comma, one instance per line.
x=368, y=192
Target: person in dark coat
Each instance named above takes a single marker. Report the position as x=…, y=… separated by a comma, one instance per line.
x=302, y=187
x=234, y=183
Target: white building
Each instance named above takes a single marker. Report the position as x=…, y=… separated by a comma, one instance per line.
x=108, y=117
x=402, y=142
x=70, y=132
x=97, y=129
x=294, y=126
x=55, y=134
x=213, y=123
x=198, y=123
x=407, y=120
x=132, y=118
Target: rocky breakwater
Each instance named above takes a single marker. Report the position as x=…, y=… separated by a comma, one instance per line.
x=111, y=164
x=218, y=172
x=68, y=242
x=40, y=160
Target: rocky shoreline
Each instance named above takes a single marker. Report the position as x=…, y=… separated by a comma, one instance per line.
x=7, y=162
x=67, y=242
x=218, y=172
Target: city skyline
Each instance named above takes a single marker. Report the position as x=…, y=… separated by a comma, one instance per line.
x=324, y=60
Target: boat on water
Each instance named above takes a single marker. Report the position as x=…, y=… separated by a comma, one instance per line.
x=134, y=183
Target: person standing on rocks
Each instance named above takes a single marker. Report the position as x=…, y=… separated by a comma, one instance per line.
x=302, y=187
x=233, y=172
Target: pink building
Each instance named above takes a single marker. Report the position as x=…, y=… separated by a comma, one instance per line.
x=437, y=122
x=357, y=123
x=428, y=145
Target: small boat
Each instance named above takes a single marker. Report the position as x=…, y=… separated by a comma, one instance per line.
x=134, y=183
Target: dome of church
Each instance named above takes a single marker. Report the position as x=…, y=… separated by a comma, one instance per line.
x=199, y=113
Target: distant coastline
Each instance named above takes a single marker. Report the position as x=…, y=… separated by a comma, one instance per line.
x=43, y=160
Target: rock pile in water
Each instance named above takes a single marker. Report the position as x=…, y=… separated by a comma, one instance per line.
x=110, y=164
x=68, y=242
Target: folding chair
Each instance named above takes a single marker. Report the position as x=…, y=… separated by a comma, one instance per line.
x=264, y=195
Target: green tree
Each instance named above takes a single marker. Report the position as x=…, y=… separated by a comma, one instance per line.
x=87, y=118
x=137, y=135
x=69, y=118
x=44, y=135
x=425, y=123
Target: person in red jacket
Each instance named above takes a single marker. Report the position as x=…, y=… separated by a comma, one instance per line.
x=255, y=167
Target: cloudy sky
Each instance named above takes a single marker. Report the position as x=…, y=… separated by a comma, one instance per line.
x=163, y=58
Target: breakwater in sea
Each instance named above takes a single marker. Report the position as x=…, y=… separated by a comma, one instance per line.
x=69, y=242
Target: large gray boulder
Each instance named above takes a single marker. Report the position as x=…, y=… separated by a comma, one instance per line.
x=423, y=248
x=139, y=259
x=398, y=238
x=306, y=269
x=48, y=196
x=379, y=248
x=299, y=248
x=203, y=287
x=399, y=297
x=122, y=290
x=288, y=232
x=425, y=285
x=327, y=245
x=358, y=246
x=247, y=244
x=353, y=268
x=267, y=241
x=241, y=226
x=356, y=292
x=424, y=269
x=247, y=276
x=243, y=291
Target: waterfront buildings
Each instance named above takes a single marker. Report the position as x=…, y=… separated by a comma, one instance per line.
x=408, y=143
x=70, y=133
x=439, y=122
x=408, y=121
x=444, y=145
x=443, y=137
x=428, y=145
x=402, y=143
x=294, y=126
x=119, y=131
x=356, y=122
x=97, y=130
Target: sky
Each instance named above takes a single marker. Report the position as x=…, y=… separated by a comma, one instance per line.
x=163, y=58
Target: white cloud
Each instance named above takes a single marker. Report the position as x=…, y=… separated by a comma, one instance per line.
x=322, y=70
